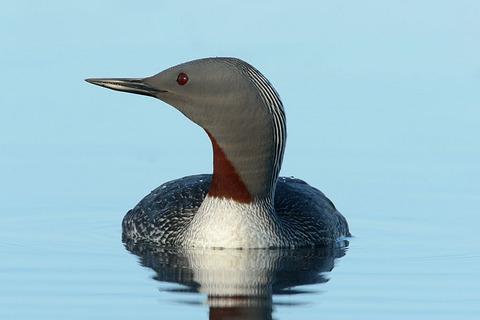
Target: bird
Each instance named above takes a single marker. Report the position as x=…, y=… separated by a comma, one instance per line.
x=244, y=204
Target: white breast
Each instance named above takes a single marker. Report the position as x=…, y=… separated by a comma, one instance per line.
x=225, y=223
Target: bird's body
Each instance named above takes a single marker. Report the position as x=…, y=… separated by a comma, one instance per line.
x=244, y=204
x=304, y=217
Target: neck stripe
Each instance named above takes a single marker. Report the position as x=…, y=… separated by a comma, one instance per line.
x=275, y=107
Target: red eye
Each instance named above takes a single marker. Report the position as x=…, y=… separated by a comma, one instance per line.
x=182, y=78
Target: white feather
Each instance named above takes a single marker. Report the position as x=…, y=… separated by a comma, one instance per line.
x=225, y=223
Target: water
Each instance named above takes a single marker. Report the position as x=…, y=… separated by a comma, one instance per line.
x=66, y=260
x=382, y=105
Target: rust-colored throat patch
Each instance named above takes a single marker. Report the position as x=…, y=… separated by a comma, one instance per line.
x=226, y=182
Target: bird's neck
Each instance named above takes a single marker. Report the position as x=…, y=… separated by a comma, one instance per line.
x=247, y=158
x=226, y=180
x=248, y=134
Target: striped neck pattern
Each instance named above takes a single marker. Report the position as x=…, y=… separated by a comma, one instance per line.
x=273, y=105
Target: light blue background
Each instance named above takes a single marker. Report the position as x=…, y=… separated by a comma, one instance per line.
x=383, y=107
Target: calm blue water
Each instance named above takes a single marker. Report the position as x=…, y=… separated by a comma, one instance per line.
x=382, y=100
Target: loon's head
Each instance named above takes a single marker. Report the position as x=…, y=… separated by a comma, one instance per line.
x=239, y=109
x=210, y=92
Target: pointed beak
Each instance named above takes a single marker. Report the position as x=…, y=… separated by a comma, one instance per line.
x=132, y=85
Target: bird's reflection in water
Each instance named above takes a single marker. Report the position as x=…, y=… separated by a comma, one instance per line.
x=239, y=284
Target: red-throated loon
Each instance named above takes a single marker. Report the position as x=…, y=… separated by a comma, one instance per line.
x=244, y=204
